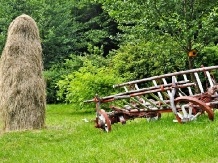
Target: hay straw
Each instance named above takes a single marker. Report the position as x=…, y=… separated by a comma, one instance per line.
x=22, y=87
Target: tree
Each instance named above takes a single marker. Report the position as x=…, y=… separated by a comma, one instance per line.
x=92, y=25
x=190, y=23
x=70, y=29
x=55, y=24
x=66, y=27
x=10, y=9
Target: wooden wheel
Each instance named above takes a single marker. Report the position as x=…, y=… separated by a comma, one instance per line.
x=103, y=121
x=189, y=108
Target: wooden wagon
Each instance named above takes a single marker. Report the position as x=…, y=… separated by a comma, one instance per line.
x=182, y=93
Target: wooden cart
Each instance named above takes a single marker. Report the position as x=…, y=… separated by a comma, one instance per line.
x=182, y=93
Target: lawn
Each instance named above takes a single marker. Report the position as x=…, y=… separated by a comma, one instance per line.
x=68, y=138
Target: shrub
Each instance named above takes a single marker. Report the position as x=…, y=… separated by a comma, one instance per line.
x=143, y=59
x=58, y=72
x=88, y=81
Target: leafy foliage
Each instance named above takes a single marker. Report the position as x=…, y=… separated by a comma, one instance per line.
x=142, y=38
x=191, y=24
x=88, y=81
x=66, y=27
x=55, y=23
x=207, y=57
x=92, y=25
x=10, y=9
x=58, y=72
x=144, y=59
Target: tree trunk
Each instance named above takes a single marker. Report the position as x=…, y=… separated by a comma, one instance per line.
x=191, y=66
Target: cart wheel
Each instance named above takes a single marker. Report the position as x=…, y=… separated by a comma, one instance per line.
x=103, y=121
x=189, y=108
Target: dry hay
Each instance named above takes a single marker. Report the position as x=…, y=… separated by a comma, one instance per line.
x=22, y=87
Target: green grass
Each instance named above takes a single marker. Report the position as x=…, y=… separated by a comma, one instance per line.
x=67, y=138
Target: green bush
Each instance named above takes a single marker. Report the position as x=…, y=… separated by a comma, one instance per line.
x=208, y=56
x=58, y=72
x=144, y=59
x=89, y=80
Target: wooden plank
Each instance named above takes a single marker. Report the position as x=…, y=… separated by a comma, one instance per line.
x=167, y=75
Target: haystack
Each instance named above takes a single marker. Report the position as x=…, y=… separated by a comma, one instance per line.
x=22, y=87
